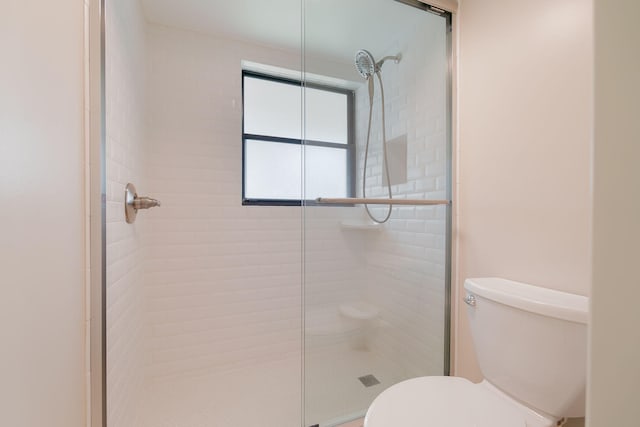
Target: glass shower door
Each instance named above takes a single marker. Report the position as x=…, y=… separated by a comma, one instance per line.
x=376, y=292
x=203, y=294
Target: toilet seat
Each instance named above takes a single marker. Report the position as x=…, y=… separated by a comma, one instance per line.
x=441, y=402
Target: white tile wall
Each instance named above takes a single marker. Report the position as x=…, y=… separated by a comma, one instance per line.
x=406, y=262
x=223, y=281
x=125, y=151
x=334, y=259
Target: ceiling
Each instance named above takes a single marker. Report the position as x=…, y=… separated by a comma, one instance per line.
x=333, y=29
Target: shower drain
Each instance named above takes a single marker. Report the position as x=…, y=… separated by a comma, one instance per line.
x=369, y=380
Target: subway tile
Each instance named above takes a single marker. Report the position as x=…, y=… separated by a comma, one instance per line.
x=215, y=284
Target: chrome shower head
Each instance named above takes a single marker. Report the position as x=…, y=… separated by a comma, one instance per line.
x=365, y=64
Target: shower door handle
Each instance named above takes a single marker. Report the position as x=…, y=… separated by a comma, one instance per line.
x=133, y=202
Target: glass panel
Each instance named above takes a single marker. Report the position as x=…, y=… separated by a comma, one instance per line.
x=272, y=108
x=376, y=294
x=325, y=172
x=326, y=116
x=203, y=295
x=272, y=170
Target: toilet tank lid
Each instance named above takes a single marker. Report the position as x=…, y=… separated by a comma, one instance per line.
x=543, y=301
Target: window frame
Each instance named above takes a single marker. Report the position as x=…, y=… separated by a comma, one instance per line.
x=350, y=146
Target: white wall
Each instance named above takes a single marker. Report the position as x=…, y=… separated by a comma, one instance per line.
x=126, y=144
x=525, y=101
x=615, y=337
x=41, y=214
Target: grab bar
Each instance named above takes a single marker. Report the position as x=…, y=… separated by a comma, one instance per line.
x=369, y=201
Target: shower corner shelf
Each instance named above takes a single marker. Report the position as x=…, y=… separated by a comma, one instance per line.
x=361, y=225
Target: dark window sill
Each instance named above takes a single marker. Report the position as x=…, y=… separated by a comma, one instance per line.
x=272, y=202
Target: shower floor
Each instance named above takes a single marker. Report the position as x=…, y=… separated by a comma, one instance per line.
x=334, y=393
x=268, y=395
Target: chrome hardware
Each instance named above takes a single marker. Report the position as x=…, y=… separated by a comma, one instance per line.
x=470, y=299
x=369, y=201
x=145, y=203
x=133, y=202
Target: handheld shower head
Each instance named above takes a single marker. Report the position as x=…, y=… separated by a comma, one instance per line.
x=365, y=64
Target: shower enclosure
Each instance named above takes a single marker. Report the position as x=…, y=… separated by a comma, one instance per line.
x=295, y=156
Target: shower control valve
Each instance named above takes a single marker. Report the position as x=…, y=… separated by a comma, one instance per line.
x=133, y=202
x=145, y=203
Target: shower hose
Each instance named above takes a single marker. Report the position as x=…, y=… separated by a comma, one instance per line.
x=384, y=150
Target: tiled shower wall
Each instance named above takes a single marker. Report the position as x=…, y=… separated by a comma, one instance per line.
x=334, y=269
x=406, y=260
x=222, y=279
x=125, y=152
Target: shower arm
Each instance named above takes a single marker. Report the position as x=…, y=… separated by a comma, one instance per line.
x=395, y=58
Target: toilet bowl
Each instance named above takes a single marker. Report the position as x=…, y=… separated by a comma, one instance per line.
x=531, y=348
x=441, y=401
x=449, y=402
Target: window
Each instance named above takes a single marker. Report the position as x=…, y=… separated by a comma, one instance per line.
x=273, y=144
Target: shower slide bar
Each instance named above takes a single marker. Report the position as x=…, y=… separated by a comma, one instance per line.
x=368, y=201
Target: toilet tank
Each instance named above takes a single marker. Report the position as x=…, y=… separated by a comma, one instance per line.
x=531, y=343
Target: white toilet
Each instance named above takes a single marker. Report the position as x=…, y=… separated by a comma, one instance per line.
x=531, y=344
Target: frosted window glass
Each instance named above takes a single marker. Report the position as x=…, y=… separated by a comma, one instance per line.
x=325, y=172
x=272, y=108
x=272, y=170
x=326, y=116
